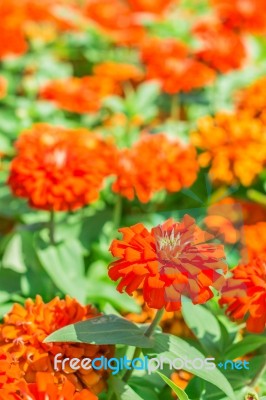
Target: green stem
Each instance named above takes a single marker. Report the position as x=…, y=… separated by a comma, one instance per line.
x=117, y=211
x=175, y=111
x=258, y=375
x=148, y=333
x=51, y=226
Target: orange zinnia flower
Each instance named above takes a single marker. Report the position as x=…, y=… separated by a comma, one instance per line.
x=150, y=6
x=234, y=145
x=60, y=169
x=79, y=95
x=118, y=72
x=22, y=335
x=10, y=377
x=247, y=15
x=252, y=100
x=141, y=174
x=222, y=49
x=244, y=294
x=255, y=239
x=12, y=41
x=170, y=61
x=116, y=19
x=171, y=260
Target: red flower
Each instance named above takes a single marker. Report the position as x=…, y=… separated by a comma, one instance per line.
x=244, y=294
x=170, y=61
x=150, y=6
x=141, y=174
x=60, y=169
x=222, y=49
x=171, y=260
x=247, y=15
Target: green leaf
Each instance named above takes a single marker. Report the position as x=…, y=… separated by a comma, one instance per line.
x=105, y=329
x=204, y=325
x=13, y=257
x=247, y=345
x=146, y=94
x=65, y=265
x=171, y=347
x=179, y=392
x=122, y=390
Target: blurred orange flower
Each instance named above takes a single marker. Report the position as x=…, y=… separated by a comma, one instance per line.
x=170, y=61
x=118, y=72
x=234, y=145
x=255, y=239
x=252, y=100
x=22, y=335
x=140, y=173
x=151, y=6
x=3, y=87
x=171, y=260
x=244, y=294
x=116, y=19
x=12, y=41
x=247, y=15
x=221, y=48
x=60, y=169
x=79, y=95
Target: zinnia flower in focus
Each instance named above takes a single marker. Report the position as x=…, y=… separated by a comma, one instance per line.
x=221, y=48
x=155, y=163
x=246, y=15
x=3, y=87
x=22, y=335
x=171, y=260
x=60, y=169
x=244, y=294
x=118, y=72
x=252, y=100
x=170, y=62
x=234, y=145
x=79, y=95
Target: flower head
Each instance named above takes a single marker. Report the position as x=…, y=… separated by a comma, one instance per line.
x=13, y=42
x=118, y=72
x=156, y=7
x=79, y=95
x=234, y=145
x=60, y=169
x=252, y=100
x=246, y=15
x=141, y=174
x=171, y=260
x=22, y=335
x=221, y=48
x=116, y=18
x=170, y=61
x=255, y=239
x=244, y=294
